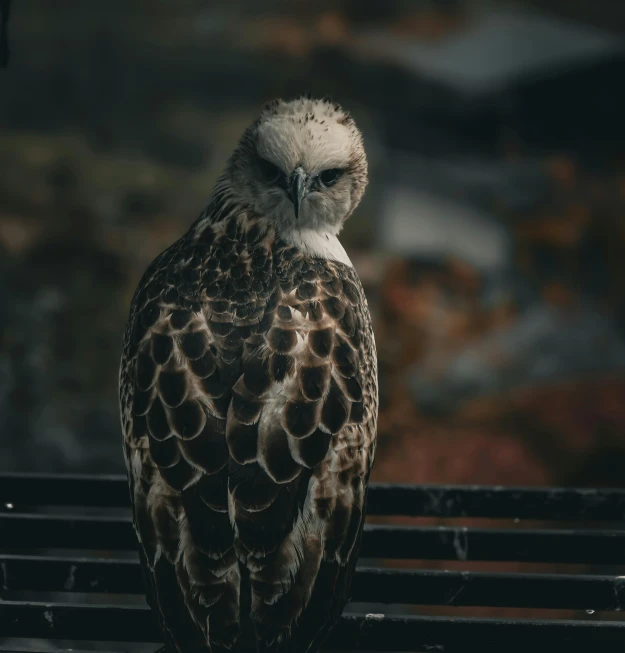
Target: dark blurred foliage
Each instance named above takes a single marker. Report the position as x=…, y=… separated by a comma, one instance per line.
x=491, y=240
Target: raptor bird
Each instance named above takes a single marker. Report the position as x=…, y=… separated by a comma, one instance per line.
x=249, y=396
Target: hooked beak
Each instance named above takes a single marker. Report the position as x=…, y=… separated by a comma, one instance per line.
x=297, y=188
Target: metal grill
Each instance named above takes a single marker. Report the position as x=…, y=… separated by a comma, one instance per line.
x=69, y=573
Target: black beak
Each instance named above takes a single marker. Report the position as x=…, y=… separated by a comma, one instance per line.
x=297, y=188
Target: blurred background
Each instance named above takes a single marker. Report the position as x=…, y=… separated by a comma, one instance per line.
x=491, y=240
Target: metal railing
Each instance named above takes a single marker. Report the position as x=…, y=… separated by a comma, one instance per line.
x=61, y=535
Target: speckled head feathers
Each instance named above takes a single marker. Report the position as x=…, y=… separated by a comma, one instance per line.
x=301, y=165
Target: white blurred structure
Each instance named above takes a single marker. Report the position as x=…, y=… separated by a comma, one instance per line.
x=419, y=223
x=498, y=48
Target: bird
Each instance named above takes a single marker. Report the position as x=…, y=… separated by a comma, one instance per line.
x=249, y=396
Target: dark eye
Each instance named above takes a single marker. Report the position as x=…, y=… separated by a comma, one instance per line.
x=270, y=172
x=330, y=177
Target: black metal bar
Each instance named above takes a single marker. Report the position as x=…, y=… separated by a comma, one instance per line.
x=559, y=504
x=21, y=531
x=106, y=623
x=514, y=544
x=455, y=635
x=418, y=587
x=355, y=632
x=70, y=532
x=71, y=574
x=434, y=587
x=25, y=489
x=5, y=52
x=51, y=649
x=570, y=504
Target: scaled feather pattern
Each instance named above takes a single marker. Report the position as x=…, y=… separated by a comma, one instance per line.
x=248, y=394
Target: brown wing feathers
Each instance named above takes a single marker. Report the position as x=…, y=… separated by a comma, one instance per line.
x=245, y=384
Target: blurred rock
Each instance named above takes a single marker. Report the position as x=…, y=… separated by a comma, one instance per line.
x=481, y=182
x=544, y=345
x=60, y=334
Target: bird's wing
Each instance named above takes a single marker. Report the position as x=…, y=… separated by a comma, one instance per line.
x=171, y=401
x=251, y=398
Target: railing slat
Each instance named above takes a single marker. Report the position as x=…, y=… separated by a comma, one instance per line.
x=26, y=489
x=384, y=499
x=513, y=544
x=418, y=587
x=70, y=574
x=462, y=588
x=21, y=531
x=128, y=623
x=354, y=632
x=455, y=635
x=557, y=504
x=51, y=649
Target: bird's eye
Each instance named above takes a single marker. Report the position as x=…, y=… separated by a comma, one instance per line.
x=330, y=177
x=270, y=172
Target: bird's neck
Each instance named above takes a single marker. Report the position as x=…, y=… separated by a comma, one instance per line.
x=318, y=244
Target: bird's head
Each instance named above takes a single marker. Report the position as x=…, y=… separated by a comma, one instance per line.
x=302, y=164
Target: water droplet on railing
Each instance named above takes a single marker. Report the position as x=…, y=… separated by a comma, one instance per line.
x=590, y=612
